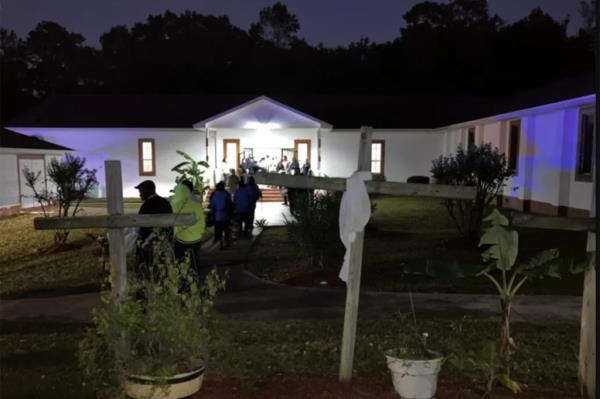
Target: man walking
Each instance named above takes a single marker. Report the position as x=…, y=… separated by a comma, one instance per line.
x=153, y=204
x=188, y=238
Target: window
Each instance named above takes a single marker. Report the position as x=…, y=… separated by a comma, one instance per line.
x=470, y=137
x=146, y=155
x=514, y=131
x=585, y=147
x=378, y=157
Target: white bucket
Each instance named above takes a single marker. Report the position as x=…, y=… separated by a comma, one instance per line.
x=415, y=379
x=178, y=386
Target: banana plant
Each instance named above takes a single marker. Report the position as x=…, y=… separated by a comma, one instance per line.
x=191, y=170
x=502, y=249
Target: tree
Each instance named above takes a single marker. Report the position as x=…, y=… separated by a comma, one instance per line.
x=276, y=25
x=58, y=61
x=72, y=183
x=13, y=75
x=587, y=10
x=479, y=166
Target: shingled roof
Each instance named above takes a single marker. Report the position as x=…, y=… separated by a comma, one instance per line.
x=341, y=111
x=10, y=139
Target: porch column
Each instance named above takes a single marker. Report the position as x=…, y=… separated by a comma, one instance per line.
x=319, y=151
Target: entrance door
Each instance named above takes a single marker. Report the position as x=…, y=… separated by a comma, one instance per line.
x=231, y=153
x=36, y=165
x=302, y=150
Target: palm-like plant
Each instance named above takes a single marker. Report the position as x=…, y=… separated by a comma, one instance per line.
x=191, y=170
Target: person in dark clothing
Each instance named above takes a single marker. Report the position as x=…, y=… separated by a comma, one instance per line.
x=255, y=195
x=294, y=167
x=221, y=205
x=243, y=210
x=153, y=204
x=306, y=170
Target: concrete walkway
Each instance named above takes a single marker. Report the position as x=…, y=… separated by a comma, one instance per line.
x=251, y=298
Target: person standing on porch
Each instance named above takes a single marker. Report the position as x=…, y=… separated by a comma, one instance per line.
x=153, y=204
x=221, y=205
x=188, y=239
x=306, y=169
x=224, y=170
x=232, y=181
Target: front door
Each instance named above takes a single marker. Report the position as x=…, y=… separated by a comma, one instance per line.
x=231, y=153
x=302, y=150
x=36, y=165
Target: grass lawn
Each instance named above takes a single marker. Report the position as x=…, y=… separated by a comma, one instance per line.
x=27, y=263
x=407, y=237
x=29, y=266
x=40, y=361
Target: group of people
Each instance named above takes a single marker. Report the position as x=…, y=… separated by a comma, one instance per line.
x=226, y=207
x=236, y=205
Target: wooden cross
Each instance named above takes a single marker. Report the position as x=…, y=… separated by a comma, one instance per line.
x=356, y=250
x=588, y=327
x=115, y=222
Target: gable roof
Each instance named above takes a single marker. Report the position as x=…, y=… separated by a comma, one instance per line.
x=10, y=139
x=340, y=111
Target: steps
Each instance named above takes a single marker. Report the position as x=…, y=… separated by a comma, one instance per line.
x=269, y=194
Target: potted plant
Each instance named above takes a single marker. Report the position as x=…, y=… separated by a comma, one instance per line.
x=152, y=342
x=413, y=365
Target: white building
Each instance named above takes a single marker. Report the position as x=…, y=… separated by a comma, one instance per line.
x=546, y=135
x=17, y=152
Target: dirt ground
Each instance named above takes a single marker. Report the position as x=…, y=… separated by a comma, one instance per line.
x=217, y=387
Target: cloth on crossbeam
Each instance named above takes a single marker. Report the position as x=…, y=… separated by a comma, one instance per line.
x=355, y=212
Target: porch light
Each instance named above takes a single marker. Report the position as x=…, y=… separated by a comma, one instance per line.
x=262, y=127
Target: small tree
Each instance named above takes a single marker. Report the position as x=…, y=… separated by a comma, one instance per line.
x=191, y=170
x=72, y=182
x=503, y=248
x=482, y=167
x=316, y=226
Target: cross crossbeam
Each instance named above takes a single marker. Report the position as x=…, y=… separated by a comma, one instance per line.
x=373, y=187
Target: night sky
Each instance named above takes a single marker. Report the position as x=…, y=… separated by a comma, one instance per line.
x=332, y=22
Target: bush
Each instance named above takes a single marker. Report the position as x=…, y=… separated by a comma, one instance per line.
x=72, y=182
x=316, y=226
x=483, y=167
x=418, y=179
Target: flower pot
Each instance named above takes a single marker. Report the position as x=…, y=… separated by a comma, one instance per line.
x=178, y=386
x=415, y=379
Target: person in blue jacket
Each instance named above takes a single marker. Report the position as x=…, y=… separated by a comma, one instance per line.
x=243, y=209
x=221, y=205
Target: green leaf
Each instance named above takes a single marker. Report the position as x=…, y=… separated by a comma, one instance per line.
x=504, y=242
x=496, y=218
x=178, y=166
x=185, y=155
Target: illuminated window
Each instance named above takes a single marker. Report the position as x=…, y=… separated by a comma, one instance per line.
x=585, y=147
x=514, y=131
x=470, y=137
x=378, y=157
x=146, y=155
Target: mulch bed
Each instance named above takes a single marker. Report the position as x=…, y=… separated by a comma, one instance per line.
x=218, y=387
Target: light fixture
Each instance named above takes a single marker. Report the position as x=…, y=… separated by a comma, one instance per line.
x=262, y=127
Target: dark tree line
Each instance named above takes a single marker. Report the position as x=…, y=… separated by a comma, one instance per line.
x=451, y=47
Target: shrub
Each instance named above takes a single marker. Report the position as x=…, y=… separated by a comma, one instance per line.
x=72, y=182
x=482, y=167
x=316, y=226
x=158, y=328
x=418, y=179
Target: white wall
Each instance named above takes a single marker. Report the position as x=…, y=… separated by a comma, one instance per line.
x=410, y=153
x=339, y=150
x=98, y=145
x=9, y=184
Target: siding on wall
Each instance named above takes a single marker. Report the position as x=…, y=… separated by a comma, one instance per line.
x=9, y=184
x=98, y=145
x=336, y=149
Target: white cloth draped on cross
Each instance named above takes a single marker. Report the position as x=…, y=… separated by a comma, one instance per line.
x=355, y=212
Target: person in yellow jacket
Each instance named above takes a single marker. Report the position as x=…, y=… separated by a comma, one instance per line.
x=188, y=238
